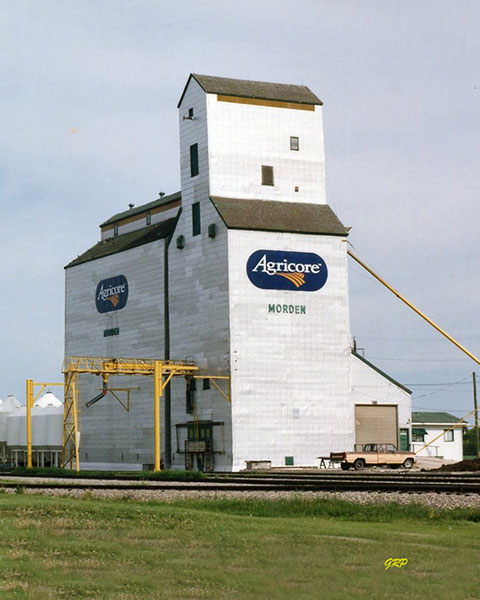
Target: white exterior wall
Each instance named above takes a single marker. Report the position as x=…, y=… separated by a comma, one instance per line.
x=109, y=432
x=370, y=387
x=243, y=137
x=199, y=325
x=290, y=372
x=448, y=450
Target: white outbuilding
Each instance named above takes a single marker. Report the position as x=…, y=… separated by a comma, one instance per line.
x=435, y=429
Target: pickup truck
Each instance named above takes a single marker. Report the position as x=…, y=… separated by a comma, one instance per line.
x=374, y=454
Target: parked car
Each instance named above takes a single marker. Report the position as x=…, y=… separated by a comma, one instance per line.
x=374, y=454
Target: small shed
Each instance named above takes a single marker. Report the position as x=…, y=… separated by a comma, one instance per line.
x=426, y=426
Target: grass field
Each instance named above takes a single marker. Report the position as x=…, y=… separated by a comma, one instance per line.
x=67, y=548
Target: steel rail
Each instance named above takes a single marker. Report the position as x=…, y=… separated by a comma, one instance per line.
x=425, y=484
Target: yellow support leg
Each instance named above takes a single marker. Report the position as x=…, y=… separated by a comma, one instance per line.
x=157, y=392
x=71, y=441
x=29, y=399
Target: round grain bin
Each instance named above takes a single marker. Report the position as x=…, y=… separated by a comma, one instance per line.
x=17, y=427
x=47, y=422
x=7, y=406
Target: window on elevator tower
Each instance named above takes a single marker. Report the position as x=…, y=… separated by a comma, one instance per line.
x=193, y=160
x=267, y=175
x=196, y=227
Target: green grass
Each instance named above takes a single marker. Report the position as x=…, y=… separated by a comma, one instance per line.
x=97, y=549
x=332, y=508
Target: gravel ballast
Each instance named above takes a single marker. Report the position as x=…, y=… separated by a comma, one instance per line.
x=432, y=499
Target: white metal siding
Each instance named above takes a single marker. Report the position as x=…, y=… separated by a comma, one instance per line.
x=290, y=372
x=199, y=327
x=109, y=432
x=243, y=137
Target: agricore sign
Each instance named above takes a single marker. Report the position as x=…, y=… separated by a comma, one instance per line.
x=284, y=270
x=111, y=294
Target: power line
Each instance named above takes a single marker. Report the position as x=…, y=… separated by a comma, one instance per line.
x=436, y=392
x=417, y=359
x=436, y=384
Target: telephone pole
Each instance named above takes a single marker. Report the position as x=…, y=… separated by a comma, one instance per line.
x=477, y=433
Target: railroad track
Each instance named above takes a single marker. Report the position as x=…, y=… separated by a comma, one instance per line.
x=372, y=482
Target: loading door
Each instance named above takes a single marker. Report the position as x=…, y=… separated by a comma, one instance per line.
x=376, y=423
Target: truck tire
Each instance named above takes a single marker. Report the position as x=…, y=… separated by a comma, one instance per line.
x=408, y=463
x=344, y=466
x=359, y=464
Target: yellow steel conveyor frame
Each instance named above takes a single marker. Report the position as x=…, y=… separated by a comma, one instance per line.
x=162, y=371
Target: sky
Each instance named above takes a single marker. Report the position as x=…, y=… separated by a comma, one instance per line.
x=88, y=122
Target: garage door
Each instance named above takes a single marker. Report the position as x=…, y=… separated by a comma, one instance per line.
x=376, y=423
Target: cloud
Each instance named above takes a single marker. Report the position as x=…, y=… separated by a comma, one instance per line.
x=89, y=124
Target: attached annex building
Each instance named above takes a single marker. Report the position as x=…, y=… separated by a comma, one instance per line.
x=244, y=274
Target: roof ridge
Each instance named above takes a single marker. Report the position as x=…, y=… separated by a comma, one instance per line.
x=280, y=216
x=143, y=207
x=125, y=241
x=250, y=88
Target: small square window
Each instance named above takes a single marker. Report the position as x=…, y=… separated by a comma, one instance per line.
x=448, y=435
x=267, y=175
x=190, y=113
x=294, y=143
x=148, y=218
x=115, y=229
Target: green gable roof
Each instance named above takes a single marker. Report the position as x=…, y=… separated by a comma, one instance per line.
x=432, y=418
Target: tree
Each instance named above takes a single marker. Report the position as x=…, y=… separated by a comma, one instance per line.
x=470, y=442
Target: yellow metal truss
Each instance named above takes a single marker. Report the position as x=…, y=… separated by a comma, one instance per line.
x=162, y=371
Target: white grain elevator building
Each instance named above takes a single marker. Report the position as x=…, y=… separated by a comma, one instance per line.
x=243, y=273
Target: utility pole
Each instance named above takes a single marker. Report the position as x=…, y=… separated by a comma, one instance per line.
x=477, y=433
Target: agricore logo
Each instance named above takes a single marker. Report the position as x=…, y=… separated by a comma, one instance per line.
x=111, y=294
x=283, y=270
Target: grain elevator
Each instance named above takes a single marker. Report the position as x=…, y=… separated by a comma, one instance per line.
x=244, y=274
